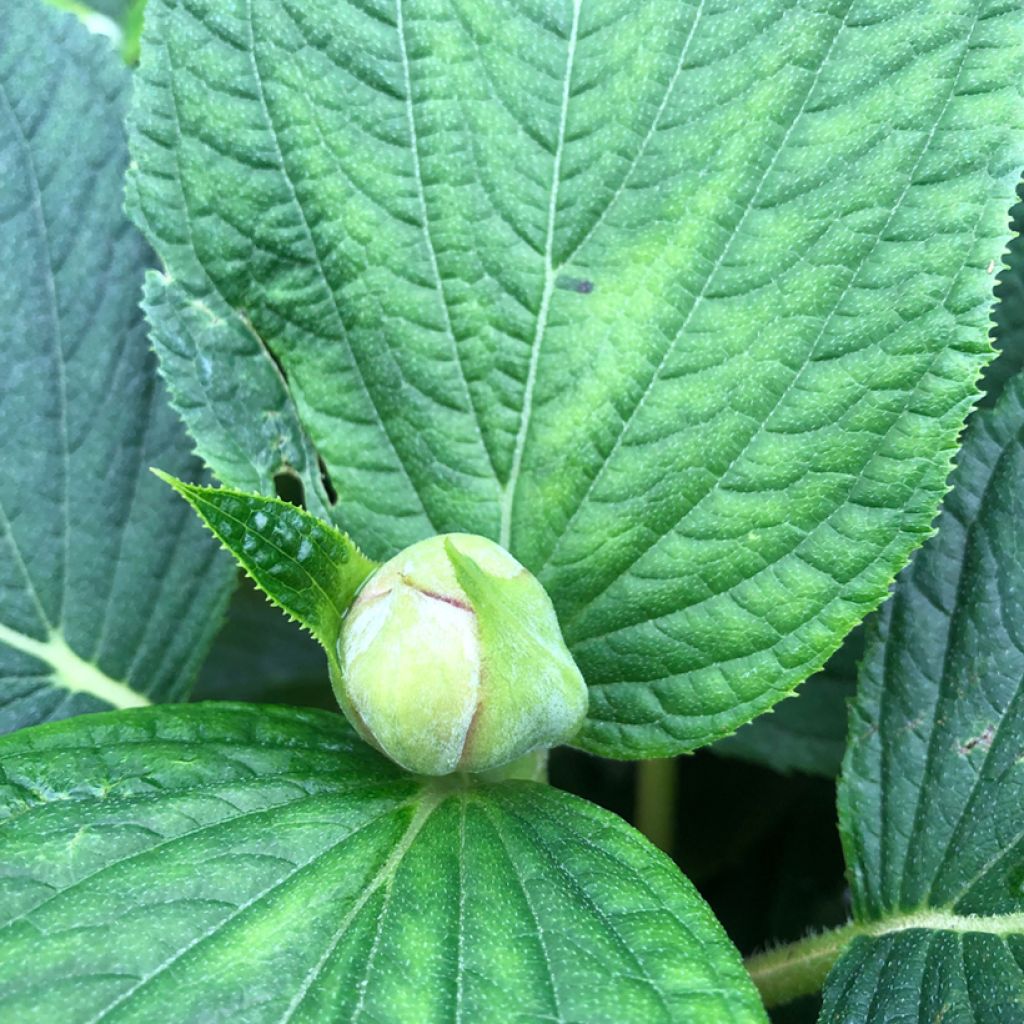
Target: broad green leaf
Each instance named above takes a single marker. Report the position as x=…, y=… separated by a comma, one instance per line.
x=683, y=302
x=304, y=565
x=932, y=794
x=808, y=733
x=930, y=974
x=235, y=862
x=109, y=592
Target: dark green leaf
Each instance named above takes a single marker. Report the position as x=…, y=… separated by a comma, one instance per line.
x=932, y=794
x=232, y=862
x=304, y=565
x=929, y=976
x=260, y=656
x=681, y=302
x=109, y=592
x=231, y=393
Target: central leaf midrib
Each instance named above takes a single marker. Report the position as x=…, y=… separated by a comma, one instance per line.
x=72, y=672
x=509, y=491
x=944, y=921
x=332, y=599
x=429, y=801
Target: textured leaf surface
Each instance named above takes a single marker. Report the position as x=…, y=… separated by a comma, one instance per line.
x=234, y=862
x=304, y=565
x=682, y=302
x=932, y=794
x=231, y=393
x=109, y=591
x=923, y=976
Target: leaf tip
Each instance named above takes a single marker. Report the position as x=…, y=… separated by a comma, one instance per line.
x=172, y=481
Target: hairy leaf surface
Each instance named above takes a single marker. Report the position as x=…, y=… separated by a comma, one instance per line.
x=109, y=591
x=235, y=862
x=120, y=20
x=932, y=794
x=683, y=302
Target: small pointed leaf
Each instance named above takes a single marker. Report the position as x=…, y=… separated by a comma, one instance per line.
x=305, y=566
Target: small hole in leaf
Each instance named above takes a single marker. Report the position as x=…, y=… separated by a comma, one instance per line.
x=289, y=488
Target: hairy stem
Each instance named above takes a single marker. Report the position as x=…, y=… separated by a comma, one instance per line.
x=655, y=802
x=799, y=968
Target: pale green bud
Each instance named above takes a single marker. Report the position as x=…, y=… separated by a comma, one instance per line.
x=451, y=659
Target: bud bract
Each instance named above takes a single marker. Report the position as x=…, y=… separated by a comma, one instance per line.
x=451, y=659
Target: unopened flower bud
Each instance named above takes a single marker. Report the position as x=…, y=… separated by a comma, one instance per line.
x=451, y=659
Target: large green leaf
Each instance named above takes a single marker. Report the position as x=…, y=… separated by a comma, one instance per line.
x=234, y=862
x=932, y=793
x=682, y=302
x=109, y=592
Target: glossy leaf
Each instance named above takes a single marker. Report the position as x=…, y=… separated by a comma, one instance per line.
x=932, y=795
x=304, y=565
x=683, y=303
x=261, y=864
x=109, y=591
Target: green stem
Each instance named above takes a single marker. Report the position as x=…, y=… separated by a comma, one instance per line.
x=656, y=802
x=799, y=968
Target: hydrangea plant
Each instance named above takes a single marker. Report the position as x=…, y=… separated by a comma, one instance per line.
x=575, y=373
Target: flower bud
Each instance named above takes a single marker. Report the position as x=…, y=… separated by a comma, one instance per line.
x=451, y=659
